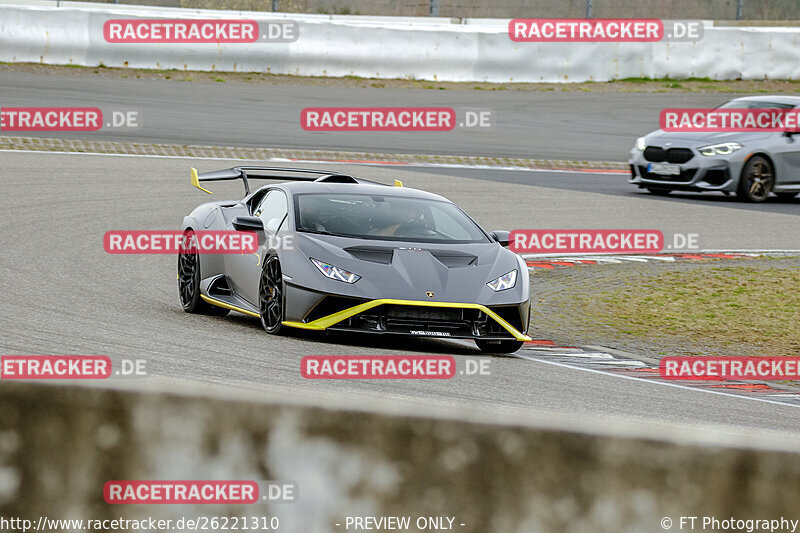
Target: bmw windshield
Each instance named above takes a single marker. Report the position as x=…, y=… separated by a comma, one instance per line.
x=385, y=217
x=753, y=104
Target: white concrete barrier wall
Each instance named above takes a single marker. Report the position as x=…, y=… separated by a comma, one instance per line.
x=386, y=47
x=60, y=444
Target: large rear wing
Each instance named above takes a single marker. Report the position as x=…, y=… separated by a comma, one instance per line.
x=275, y=173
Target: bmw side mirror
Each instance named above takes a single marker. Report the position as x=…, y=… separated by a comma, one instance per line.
x=500, y=236
x=248, y=224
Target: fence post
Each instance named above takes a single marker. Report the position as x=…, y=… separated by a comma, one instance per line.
x=588, y=9
x=434, y=12
x=739, y=8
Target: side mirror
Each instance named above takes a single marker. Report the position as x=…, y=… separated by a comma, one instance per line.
x=500, y=236
x=248, y=224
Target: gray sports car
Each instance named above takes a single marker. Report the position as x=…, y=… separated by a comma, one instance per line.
x=341, y=253
x=750, y=164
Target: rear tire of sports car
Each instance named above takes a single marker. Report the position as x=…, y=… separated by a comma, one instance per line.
x=189, y=285
x=498, y=346
x=756, y=181
x=271, y=296
x=658, y=192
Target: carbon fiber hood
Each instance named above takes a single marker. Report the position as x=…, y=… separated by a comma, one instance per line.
x=407, y=270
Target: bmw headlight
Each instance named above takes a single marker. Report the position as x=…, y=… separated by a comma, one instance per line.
x=640, y=144
x=719, y=149
x=334, y=272
x=506, y=281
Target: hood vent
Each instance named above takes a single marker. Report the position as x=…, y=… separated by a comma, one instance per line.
x=376, y=254
x=372, y=253
x=454, y=259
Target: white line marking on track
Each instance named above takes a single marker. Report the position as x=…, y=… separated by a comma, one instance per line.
x=590, y=355
x=618, y=362
x=607, y=260
x=663, y=383
x=637, y=259
x=588, y=172
x=668, y=259
x=553, y=349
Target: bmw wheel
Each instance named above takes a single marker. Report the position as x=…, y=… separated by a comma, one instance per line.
x=756, y=180
x=271, y=296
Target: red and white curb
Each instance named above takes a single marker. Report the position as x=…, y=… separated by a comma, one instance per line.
x=554, y=262
x=597, y=360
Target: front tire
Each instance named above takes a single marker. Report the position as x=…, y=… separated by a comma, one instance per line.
x=189, y=284
x=757, y=180
x=508, y=346
x=271, y=296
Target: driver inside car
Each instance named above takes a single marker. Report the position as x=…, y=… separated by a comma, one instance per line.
x=311, y=215
x=405, y=218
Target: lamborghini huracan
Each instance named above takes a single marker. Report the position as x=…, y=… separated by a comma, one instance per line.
x=340, y=253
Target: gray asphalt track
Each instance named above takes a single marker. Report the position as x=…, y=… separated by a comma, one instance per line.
x=616, y=185
x=64, y=295
x=550, y=125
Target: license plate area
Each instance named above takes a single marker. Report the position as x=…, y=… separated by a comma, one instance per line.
x=664, y=169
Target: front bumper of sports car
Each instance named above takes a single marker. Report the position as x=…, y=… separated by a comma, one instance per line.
x=452, y=320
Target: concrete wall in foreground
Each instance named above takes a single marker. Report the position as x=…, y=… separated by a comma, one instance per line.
x=393, y=47
x=59, y=445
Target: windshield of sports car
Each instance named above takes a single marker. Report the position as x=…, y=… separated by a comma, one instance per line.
x=754, y=104
x=385, y=217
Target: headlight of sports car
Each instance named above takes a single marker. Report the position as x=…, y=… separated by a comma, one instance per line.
x=333, y=272
x=719, y=149
x=506, y=281
x=640, y=144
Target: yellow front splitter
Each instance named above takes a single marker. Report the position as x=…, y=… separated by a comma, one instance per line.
x=330, y=320
x=225, y=305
